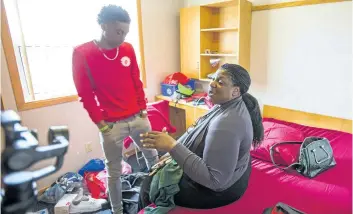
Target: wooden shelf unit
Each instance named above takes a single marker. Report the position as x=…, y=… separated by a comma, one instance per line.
x=223, y=54
x=224, y=29
x=183, y=115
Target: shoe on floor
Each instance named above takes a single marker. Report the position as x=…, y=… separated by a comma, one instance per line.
x=80, y=197
x=90, y=205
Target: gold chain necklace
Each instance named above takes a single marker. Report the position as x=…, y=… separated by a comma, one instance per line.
x=100, y=49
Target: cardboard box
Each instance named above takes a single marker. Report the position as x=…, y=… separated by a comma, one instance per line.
x=63, y=205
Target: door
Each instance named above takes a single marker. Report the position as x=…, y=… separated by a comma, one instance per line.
x=190, y=41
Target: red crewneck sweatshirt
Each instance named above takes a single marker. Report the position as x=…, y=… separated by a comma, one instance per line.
x=117, y=92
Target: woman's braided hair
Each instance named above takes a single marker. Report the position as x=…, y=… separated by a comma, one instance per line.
x=241, y=78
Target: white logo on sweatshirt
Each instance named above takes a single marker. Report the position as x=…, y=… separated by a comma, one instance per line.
x=125, y=61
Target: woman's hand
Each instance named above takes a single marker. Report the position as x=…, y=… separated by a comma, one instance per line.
x=158, y=140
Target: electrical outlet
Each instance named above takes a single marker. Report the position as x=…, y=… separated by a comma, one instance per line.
x=88, y=147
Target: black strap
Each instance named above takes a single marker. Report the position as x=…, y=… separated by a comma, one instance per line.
x=89, y=75
x=287, y=209
x=273, y=160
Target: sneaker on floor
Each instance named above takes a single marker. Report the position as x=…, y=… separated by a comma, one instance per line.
x=80, y=197
x=90, y=205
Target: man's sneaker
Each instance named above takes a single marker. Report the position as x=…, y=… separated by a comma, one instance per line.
x=80, y=197
x=90, y=205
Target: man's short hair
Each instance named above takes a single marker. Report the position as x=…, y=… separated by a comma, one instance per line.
x=113, y=13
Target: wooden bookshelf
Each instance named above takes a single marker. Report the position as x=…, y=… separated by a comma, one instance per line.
x=221, y=29
x=214, y=31
x=222, y=54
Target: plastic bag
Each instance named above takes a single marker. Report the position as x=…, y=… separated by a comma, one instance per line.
x=96, y=182
x=96, y=186
x=64, y=184
x=94, y=165
x=70, y=181
x=52, y=195
x=125, y=168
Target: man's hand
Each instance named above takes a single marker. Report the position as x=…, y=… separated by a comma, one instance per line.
x=103, y=127
x=143, y=113
x=101, y=124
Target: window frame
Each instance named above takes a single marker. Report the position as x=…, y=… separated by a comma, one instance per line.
x=13, y=70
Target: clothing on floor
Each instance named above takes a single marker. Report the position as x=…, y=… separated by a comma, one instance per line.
x=67, y=183
x=131, y=186
x=112, y=147
x=117, y=92
x=163, y=187
x=93, y=165
x=144, y=197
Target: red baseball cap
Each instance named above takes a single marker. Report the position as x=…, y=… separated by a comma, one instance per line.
x=175, y=78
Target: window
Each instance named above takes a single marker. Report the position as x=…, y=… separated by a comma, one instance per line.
x=38, y=40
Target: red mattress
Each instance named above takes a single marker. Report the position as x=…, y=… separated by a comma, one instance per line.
x=328, y=193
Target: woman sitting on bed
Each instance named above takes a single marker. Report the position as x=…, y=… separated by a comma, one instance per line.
x=215, y=154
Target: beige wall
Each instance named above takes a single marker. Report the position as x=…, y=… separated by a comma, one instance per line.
x=161, y=40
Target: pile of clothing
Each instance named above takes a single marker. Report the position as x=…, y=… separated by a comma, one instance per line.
x=86, y=190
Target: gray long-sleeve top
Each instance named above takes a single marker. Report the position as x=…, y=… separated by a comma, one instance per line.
x=226, y=152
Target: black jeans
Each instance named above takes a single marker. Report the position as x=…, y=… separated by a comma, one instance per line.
x=198, y=197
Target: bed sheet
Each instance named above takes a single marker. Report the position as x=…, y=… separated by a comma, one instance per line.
x=328, y=193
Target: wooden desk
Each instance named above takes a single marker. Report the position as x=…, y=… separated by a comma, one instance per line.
x=183, y=115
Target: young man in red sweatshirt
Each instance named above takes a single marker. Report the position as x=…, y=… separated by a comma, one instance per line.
x=107, y=79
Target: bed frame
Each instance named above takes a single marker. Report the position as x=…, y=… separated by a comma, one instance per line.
x=307, y=119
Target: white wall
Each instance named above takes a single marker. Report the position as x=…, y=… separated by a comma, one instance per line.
x=161, y=40
x=301, y=57
x=160, y=21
